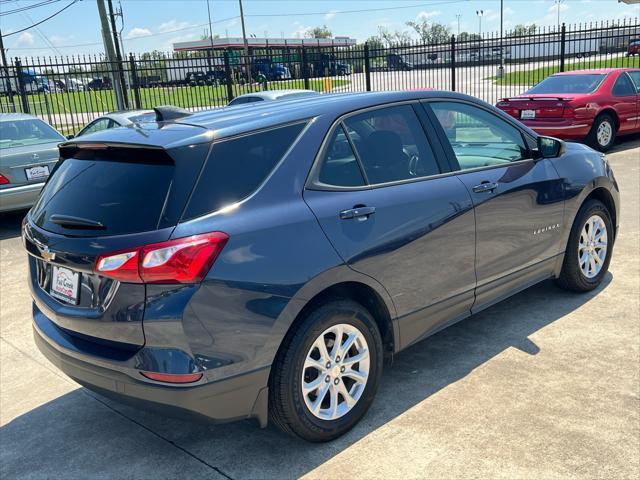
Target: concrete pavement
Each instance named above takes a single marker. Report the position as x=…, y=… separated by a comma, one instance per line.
x=543, y=385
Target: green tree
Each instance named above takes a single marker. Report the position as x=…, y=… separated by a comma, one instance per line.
x=398, y=38
x=319, y=32
x=521, y=30
x=431, y=32
x=466, y=36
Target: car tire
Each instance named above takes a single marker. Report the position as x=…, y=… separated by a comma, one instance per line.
x=291, y=407
x=578, y=272
x=603, y=133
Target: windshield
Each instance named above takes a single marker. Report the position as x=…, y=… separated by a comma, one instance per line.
x=18, y=133
x=578, y=83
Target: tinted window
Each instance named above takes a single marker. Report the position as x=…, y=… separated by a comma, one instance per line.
x=237, y=167
x=125, y=197
x=339, y=165
x=16, y=133
x=635, y=76
x=479, y=138
x=391, y=144
x=623, y=86
x=578, y=83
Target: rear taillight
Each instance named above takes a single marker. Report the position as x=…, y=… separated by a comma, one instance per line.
x=4, y=180
x=183, y=260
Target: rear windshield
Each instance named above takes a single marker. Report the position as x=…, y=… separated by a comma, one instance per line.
x=124, y=197
x=127, y=190
x=578, y=83
x=236, y=168
x=17, y=133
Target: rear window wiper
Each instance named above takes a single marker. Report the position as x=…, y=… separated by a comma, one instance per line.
x=70, y=221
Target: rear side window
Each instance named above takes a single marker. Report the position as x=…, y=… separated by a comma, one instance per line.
x=623, y=86
x=339, y=165
x=236, y=168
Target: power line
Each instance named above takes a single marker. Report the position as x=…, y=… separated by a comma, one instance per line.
x=28, y=7
x=42, y=21
x=362, y=10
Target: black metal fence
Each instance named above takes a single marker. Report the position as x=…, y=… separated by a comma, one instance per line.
x=70, y=92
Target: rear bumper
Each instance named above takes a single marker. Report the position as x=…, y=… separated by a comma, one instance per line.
x=234, y=398
x=16, y=198
x=565, y=128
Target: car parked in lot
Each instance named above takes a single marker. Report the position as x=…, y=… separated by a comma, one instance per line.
x=634, y=47
x=591, y=105
x=117, y=119
x=28, y=152
x=270, y=95
x=263, y=262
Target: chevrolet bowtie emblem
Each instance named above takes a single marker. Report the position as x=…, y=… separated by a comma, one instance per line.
x=47, y=255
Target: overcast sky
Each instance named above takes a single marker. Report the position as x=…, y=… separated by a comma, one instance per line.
x=157, y=24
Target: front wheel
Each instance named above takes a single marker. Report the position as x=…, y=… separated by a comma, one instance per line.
x=326, y=376
x=603, y=133
x=586, y=260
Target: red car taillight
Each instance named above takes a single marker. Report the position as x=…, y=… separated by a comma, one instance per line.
x=4, y=180
x=183, y=260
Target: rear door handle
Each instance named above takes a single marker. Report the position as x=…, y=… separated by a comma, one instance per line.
x=358, y=212
x=485, y=187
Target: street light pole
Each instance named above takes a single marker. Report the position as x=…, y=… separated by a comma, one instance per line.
x=246, y=44
x=5, y=68
x=480, y=13
x=458, y=15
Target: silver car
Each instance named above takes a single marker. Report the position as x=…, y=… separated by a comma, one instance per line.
x=117, y=119
x=28, y=152
x=269, y=95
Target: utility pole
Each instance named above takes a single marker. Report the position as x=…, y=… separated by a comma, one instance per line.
x=458, y=15
x=118, y=54
x=5, y=68
x=109, y=53
x=246, y=44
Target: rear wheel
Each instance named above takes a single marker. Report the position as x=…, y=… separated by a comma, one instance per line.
x=603, y=133
x=326, y=376
x=586, y=260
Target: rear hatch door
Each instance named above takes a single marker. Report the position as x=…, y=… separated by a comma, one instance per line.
x=101, y=199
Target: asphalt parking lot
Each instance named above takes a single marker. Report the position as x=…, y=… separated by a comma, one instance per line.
x=543, y=385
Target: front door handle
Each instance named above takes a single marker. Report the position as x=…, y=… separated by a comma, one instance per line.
x=485, y=187
x=361, y=213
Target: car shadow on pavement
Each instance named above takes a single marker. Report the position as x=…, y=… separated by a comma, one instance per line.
x=10, y=223
x=83, y=434
x=627, y=142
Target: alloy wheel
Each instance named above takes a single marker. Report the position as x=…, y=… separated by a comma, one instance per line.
x=592, y=246
x=335, y=372
x=604, y=133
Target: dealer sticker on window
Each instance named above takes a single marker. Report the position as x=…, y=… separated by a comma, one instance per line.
x=35, y=173
x=64, y=284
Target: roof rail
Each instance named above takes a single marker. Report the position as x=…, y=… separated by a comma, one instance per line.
x=169, y=112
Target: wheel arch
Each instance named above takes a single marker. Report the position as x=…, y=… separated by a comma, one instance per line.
x=604, y=196
x=360, y=290
x=609, y=111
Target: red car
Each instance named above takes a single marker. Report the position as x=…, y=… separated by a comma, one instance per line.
x=591, y=105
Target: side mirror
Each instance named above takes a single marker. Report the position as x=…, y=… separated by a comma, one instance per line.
x=549, y=147
x=70, y=136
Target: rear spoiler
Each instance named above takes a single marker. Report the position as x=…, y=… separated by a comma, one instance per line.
x=528, y=99
x=169, y=112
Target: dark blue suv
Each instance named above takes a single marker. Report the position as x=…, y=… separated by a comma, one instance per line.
x=264, y=260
